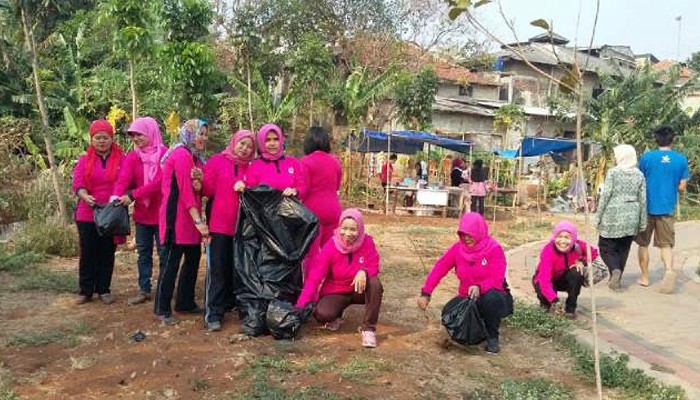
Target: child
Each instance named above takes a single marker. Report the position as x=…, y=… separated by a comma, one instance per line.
x=561, y=268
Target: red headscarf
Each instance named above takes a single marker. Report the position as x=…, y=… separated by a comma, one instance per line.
x=115, y=153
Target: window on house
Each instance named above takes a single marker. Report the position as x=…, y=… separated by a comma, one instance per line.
x=465, y=90
x=503, y=94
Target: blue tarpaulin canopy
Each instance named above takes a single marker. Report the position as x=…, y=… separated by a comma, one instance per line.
x=535, y=146
x=406, y=142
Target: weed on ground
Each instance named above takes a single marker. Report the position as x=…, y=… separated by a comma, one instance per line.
x=68, y=335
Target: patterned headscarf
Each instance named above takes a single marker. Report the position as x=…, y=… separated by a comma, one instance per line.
x=188, y=133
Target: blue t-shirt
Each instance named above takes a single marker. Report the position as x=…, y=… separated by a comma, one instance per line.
x=663, y=170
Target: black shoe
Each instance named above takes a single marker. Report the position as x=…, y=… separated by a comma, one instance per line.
x=492, y=345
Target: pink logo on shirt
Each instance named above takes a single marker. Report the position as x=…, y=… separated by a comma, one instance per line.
x=291, y=170
x=362, y=260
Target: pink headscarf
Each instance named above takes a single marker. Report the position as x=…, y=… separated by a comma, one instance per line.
x=565, y=226
x=340, y=244
x=474, y=225
x=262, y=135
x=151, y=152
x=235, y=139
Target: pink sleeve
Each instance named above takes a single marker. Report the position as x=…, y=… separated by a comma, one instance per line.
x=149, y=189
x=251, y=179
x=183, y=171
x=79, y=175
x=316, y=275
x=300, y=181
x=371, y=258
x=443, y=265
x=125, y=177
x=497, y=271
x=543, y=276
x=211, y=174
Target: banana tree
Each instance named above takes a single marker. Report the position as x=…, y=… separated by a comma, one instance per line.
x=266, y=106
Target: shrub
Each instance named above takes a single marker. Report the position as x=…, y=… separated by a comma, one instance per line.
x=50, y=236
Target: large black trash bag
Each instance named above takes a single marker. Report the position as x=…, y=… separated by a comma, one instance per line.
x=274, y=234
x=112, y=219
x=463, y=322
x=283, y=319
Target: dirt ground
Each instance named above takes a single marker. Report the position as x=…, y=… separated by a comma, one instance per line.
x=89, y=353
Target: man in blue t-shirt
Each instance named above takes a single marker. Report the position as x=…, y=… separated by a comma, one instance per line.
x=666, y=173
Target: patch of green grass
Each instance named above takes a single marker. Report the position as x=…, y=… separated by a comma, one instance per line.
x=614, y=369
x=363, y=369
x=68, y=335
x=524, y=389
x=200, y=385
x=317, y=365
x=6, y=392
x=535, y=321
x=46, y=279
x=17, y=261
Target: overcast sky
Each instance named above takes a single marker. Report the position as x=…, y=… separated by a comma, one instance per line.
x=648, y=26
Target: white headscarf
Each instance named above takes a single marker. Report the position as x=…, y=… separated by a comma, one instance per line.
x=625, y=156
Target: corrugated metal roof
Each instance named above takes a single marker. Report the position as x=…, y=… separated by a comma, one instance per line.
x=541, y=53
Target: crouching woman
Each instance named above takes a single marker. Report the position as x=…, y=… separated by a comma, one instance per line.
x=480, y=265
x=346, y=273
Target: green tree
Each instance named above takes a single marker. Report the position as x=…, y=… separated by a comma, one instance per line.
x=694, y=61
x=312, y=67
x=414, y=96
x=135, y=23
x=186, y=54
x=507, y=118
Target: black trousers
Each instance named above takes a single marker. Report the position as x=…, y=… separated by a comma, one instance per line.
x=571, y=282
x=492, y=307
x=96, y=262
x=219, y=284
x=614, y=251
x=169, y=266
x=478, y=204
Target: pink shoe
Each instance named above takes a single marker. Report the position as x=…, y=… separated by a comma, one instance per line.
x=369, y=339
x=334, y=325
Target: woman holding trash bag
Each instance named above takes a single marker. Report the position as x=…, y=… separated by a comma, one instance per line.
x=221, y=175
x=274, y=168
x=480, y=265
x=93, y=182
x=323, y=176
x=181, y=223
x=621, y=212
x=560, y=269
x=347, y=273
x=139, y=182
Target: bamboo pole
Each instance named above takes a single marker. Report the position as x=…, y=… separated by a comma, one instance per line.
x=388, y=171
x=369, y=171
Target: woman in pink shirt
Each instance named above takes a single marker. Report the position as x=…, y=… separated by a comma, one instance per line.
x=181, y=226
x=480, y=265
x=478, y=186
x=139, y=181
x=221, y=173
x=323, y=176
x=93, y=182
x=347, y=273
x=274, y=168
x=560, y=269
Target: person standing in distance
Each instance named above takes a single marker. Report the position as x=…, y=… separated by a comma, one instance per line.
x=666, y=173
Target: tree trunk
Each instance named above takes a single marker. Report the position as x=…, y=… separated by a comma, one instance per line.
x=132, y=86
x=29, y=39
x=250, y=100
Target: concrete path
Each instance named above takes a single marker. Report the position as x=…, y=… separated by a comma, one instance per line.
x=661, y=333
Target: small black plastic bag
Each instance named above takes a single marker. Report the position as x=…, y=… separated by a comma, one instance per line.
x=283, y=319
x=112, y=219
x=463, y=322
